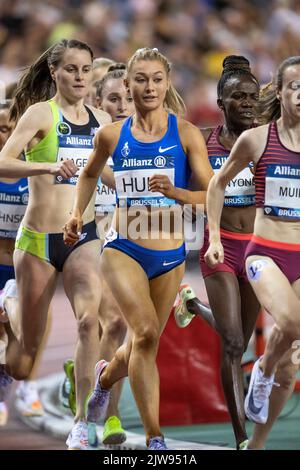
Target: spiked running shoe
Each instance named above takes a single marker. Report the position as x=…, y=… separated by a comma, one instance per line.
x=29, y=400
x=69, y=371
x=257, y=399
x=99, y=399
x=78, y=437
x=157, y=443
x=182, y=316
x=113, y=434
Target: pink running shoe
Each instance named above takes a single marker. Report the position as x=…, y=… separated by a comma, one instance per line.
x=98, y=401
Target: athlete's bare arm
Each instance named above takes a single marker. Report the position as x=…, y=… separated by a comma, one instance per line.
x=104, y=143
x=248, y=148
x=195, y=148
x=33, y=125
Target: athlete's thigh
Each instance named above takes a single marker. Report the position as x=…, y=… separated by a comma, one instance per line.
x=129, y=285
x=163, y=291
x=109, y=309
x=81, y=275
x=296, y=288
x=272, y=288
x=36, y=281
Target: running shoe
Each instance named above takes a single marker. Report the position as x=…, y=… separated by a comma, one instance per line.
x=78, y=437
x=5, y=383
x=92, y=435
x=113, y=433
x=182, y=316
x=9, y=290
x=98, y=401
x=69, y=371
x=3, y=413
x=29, y=400
x=243, y=445
x=257, y=399
x=157, y=443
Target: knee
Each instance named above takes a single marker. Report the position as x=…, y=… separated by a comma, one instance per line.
x=115, y=329
x=290, y=328
x=233, y=345
x=147, y=337
x=87, y=323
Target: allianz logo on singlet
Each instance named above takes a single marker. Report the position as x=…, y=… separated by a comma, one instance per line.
x=84, y=142
x=158, y=162
x=14, y=198
x=286, y=170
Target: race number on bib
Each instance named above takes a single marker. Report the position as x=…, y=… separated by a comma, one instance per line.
x=282, y=197
x=133, y=186
x=240, y=191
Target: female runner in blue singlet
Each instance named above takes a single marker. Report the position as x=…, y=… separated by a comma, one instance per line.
x=154, y=152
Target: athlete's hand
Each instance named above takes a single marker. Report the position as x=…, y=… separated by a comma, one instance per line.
x=72, y=229
x=214, y=254
x=64, y=168
x=162, y=184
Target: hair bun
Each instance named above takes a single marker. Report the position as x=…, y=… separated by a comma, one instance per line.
x=236, y=62
x=116, y=66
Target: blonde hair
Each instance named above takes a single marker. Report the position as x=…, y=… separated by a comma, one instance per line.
x=173, y=101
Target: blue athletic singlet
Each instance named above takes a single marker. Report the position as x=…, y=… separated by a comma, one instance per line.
x=13, y=203
x=135, y=162
x=75, y=142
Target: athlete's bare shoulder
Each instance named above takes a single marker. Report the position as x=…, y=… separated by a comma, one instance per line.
x=108, y=135
x=190, y=134
x=38, y=115
x=253, y=141
x=102, y=116
x=206, y=131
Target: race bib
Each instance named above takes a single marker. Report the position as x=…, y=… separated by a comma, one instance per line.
x=77, y=148
x=11, y=216
x=240, y=191
x=133, y=186
x=282, y=194
x=105, y=196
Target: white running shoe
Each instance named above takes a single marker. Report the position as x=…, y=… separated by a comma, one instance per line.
x=29, y=400
x=3, y=413
x=257, y=399
x=78, y=437
x=8, y=291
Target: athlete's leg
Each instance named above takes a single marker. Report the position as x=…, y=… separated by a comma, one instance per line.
x=146, y=325
x=35, y=291
x=82, y=282
x=286, y=377
x=250, y=308
x=276, y=295
x=224, y=298
x=113, y=327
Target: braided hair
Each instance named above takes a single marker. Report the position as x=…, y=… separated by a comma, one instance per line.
x=234, y=66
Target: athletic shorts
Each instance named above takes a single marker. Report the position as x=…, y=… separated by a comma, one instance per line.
x=154, y=262
x=50, y=247
x=234, y=245
x=285, y=255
